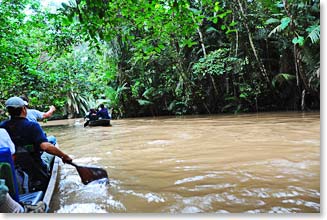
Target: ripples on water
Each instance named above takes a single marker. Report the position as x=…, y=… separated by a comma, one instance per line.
x=267, y=163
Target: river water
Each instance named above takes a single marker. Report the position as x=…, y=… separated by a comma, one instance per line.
x=248, y=163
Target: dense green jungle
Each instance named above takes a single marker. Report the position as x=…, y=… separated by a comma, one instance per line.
x=161, y=57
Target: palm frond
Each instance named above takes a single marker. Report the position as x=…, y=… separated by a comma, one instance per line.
x=272, y=21
x=314, y=33
x=284, y=22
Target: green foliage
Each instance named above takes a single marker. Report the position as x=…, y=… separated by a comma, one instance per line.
x=216, y=63
x=314, y=33
x=158, y=57
x=284, y=22
x=57, y=68
x=302, y=29
x=298, y=40
x=282, y=78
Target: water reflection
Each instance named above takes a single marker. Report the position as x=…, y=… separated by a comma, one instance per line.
x=252, y=163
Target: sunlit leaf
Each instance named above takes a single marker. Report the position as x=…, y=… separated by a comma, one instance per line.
x=298, y=40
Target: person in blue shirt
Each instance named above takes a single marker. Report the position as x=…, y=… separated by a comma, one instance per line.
x=103, y=112
x=30, y=144
x=36, y=115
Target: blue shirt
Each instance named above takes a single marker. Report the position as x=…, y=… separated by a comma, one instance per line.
x=103, y=113
x=27, y=137
x=34, y=115
x=25, y=133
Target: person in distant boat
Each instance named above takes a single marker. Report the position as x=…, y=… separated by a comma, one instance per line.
x=91, y=116
x=103, y=112
x=36, y=115
x=33, y=150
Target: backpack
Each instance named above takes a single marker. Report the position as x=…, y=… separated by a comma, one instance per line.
x=22, y=181
x=38, y=176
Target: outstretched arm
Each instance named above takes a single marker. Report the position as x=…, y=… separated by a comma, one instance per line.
x=50, y=112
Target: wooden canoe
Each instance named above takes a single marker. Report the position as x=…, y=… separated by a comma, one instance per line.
x=7, y=172
x=45, y=196
x=100, y=122
x=52, y=183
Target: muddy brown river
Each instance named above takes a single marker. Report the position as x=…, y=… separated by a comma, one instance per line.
x=247, y=163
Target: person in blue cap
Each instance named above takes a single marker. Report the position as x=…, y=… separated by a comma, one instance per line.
x=30, y=143
x=36, y=115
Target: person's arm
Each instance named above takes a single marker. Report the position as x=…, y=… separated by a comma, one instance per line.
x=41, y=142
x=50, y=112
x=51, y=149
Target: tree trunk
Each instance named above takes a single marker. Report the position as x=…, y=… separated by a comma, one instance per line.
x=303, y=100
x=205, y=54
x=201, y=42
x=261, y=66
x=300, y=77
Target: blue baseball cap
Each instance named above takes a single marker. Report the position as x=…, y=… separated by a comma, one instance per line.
x=15, y=102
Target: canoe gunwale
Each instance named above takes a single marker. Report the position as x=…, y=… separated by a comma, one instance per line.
x=52, y=182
